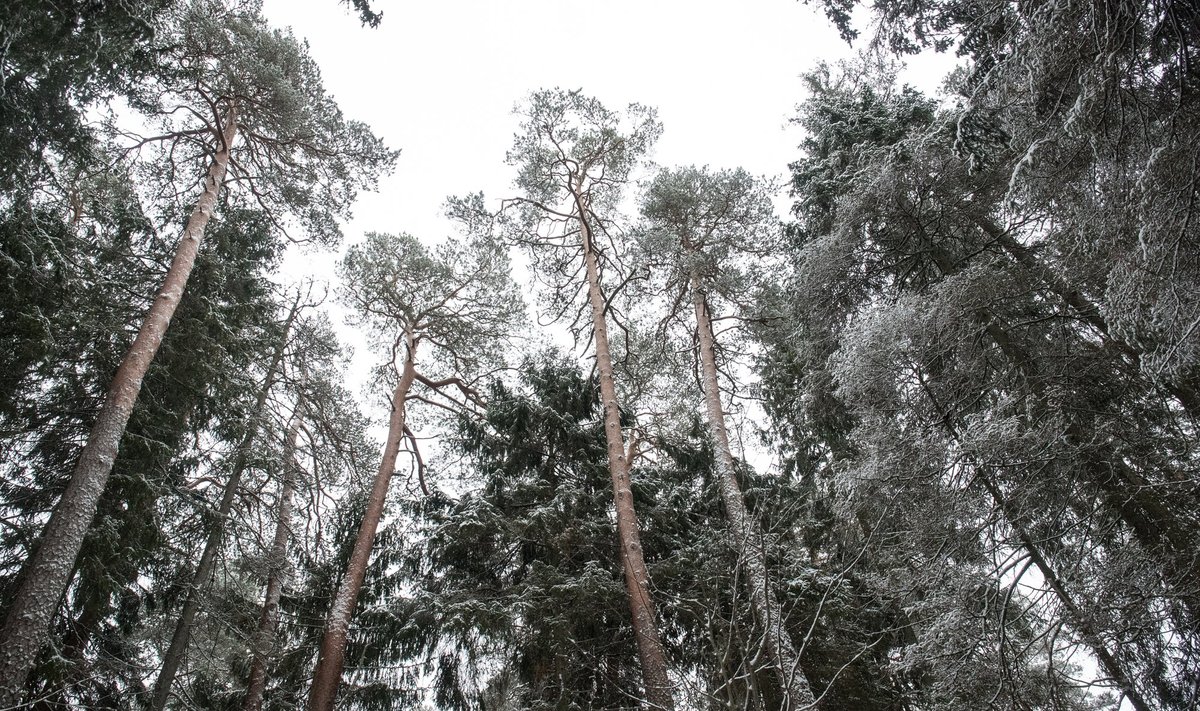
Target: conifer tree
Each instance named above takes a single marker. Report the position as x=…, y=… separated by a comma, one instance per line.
x=453, y=305
x=223, y=70
x=700, y=223
x=573, y=158
x=264, y=636
x=953, y=350
x=216, y=534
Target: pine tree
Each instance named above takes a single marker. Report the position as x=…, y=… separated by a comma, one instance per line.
x=264, y=635
x=703, y=221
x=212, y=545
x=211, y=49
x=573, y=157
x=459, y=303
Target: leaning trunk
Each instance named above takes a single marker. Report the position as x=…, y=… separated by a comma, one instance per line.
x=264, y=637
x=747, y=534
x=637, y=578
x=212, y=546
x=45, y=576
x=332, y=657
x=1075, y=615
x=1154, y=522
x=1183, y=391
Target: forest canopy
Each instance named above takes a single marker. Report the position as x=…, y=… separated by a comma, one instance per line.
x=629, y=438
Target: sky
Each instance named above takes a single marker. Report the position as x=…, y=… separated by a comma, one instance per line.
x=439, y=81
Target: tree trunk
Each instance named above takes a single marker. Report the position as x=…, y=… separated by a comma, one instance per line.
x=1155, y=525
x=44, y=577
x=1183, y=392
x=1157, y=528
x=659, y=692
x=798, y=693
x=1075, y=615
x=264, y=638
x=332, y=657
x=212, y=546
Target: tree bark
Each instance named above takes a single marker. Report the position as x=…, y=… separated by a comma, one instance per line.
x=264, y=637
x=1155, y=526
x=216, y=535
x=331, y=659
x=1076, y=616
x=1183, y=392
x=747, y=533
x=659, y=692
x=45, y=576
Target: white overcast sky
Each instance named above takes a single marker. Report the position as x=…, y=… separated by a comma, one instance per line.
x=439, y=80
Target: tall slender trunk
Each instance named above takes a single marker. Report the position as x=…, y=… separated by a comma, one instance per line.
x=659, y=692
x=264, y=637
x=1075, y=615
x=1183, y=391
x=45, y=576
x=747, y=533
x=216, y=534
x=332, y=657
x=1155, y=525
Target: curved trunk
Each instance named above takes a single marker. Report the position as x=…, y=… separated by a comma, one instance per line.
x=637, y=579
x=798, y=692
x=264, y=637
x=45, y=576
x=332, y=658
x=216, y=535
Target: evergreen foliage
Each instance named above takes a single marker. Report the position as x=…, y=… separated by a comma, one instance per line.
x=974, y=345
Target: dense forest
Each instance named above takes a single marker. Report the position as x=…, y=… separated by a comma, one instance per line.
x=926, y=443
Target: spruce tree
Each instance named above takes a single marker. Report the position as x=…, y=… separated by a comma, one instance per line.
x=223, y=69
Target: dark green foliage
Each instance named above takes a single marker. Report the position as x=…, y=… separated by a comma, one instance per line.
x=81, y=257
x=365, y=13
x=980, y=370
x=523, y=573
x=197, y=386
x=844, y=129
x=846, y=629
x=519, y=600
x=58, y=58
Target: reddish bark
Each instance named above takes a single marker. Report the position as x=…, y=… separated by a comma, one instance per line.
x=331, y=659
x=659, y=692
x=216, y=535
x=45, y=576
